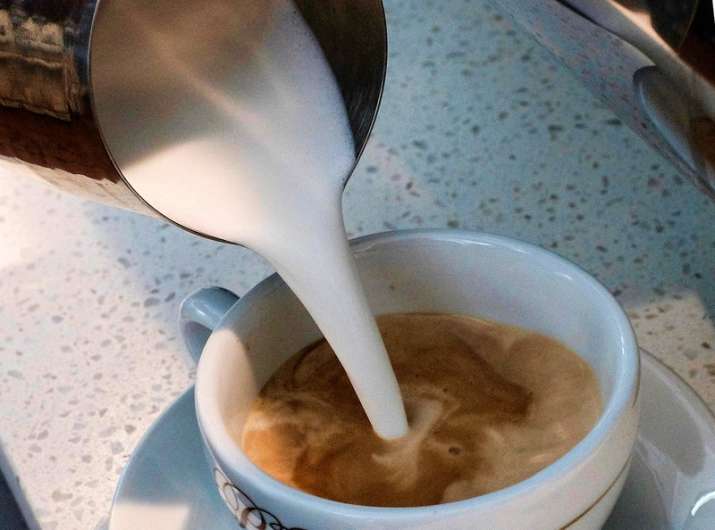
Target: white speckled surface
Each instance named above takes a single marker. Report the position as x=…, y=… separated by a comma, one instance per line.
x=478, y=129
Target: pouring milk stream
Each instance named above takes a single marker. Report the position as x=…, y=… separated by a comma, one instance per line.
x=261, y=161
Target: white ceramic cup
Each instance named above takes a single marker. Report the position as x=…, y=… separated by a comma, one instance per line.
x=423, y=271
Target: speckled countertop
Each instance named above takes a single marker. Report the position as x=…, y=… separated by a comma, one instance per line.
x=479, y=129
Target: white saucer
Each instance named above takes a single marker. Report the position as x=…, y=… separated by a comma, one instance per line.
x=167, y=484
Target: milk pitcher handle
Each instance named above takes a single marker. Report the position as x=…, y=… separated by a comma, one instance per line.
x=200, y=314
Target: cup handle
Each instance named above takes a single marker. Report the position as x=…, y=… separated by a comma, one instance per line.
x=200, y=313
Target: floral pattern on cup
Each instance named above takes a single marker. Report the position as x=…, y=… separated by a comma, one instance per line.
x=248, y=515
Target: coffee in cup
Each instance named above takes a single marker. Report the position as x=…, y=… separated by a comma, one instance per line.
x=489, y=405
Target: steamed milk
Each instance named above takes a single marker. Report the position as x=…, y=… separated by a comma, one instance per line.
x=233, y=125
x=489, y=406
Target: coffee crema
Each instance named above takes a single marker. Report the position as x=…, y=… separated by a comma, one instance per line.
x=488, y=404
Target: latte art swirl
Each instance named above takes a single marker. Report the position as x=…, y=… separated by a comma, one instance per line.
x=489, y=405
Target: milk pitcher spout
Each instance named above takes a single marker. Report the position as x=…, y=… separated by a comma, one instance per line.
x=52, y=55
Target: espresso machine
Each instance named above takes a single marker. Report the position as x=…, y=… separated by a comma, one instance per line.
x=651, y=61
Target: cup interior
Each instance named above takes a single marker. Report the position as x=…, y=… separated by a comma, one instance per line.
x=436, y=271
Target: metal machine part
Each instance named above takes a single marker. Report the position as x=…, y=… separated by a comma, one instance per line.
x=651, y=61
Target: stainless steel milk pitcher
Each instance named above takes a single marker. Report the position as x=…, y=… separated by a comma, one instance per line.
x=48, y=119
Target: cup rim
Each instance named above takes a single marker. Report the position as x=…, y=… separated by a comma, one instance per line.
x=623, y=396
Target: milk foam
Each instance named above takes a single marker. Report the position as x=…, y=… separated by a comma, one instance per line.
x=489, y=405
x=244, y=136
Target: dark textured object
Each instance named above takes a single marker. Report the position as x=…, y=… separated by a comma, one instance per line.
x=10, y=516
